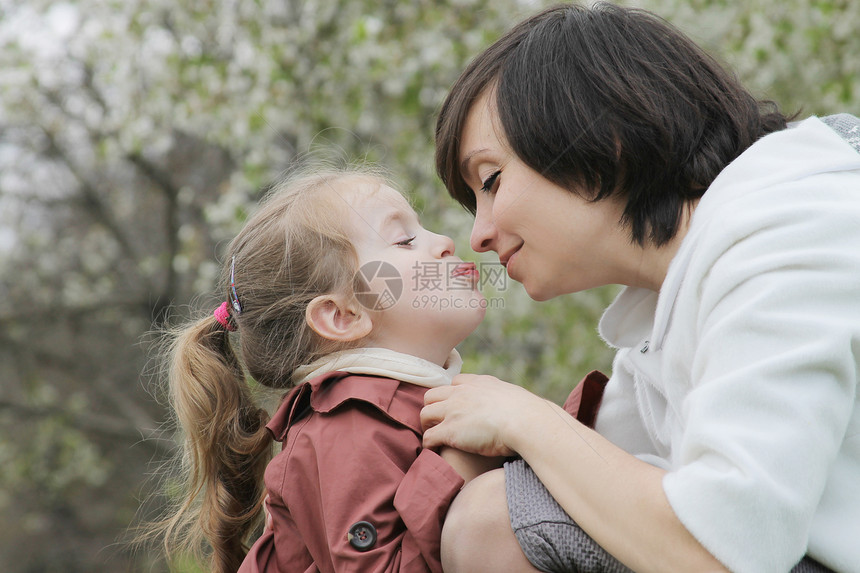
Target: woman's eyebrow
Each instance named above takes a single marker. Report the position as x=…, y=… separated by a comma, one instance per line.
x=464, y=165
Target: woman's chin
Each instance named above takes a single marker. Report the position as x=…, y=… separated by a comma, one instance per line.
x=549, y=286
x=538, y=292
x=541, y=297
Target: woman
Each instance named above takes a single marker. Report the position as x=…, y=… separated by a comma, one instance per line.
x=601, y=146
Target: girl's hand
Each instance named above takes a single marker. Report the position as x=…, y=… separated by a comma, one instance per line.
x=270, y=523
x=476, y=414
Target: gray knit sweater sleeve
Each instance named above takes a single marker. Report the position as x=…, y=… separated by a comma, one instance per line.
x=847, y=126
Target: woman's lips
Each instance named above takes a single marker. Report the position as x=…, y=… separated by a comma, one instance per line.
x=510, y=259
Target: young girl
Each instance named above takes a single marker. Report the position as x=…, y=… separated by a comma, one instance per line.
x=322, y=290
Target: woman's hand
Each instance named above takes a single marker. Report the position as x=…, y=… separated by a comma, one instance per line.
x=615, y=497
x=476, y=414
x=469, y=465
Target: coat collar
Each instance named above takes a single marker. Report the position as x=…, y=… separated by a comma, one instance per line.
x=399, y=401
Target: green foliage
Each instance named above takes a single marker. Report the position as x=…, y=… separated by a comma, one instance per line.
x=59, y=458
x=186, y=565
x=803, y=54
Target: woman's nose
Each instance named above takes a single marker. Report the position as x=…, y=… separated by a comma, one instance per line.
x=483, y=230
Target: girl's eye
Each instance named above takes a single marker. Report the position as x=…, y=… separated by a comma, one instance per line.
x=405, y=242
x=490, y=182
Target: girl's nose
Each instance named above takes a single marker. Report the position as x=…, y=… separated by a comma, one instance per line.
x=443, y=246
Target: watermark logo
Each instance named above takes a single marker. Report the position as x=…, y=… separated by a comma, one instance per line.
x=382, y=285
x=438, y=276
x=493, y=275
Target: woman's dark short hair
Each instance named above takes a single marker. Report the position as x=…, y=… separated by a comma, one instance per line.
x=609, y=100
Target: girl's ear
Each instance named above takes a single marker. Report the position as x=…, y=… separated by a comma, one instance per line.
x=339, y=318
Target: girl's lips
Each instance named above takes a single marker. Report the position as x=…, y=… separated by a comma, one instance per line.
x=466, y=270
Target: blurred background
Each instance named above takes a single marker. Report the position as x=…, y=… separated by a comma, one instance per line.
x=136, y=135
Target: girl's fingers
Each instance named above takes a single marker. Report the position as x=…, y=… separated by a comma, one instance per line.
x=270, y=522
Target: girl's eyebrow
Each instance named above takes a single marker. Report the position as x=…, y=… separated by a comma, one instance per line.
x=397, y=216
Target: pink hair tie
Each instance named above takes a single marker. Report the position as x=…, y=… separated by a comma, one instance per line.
x=222, y=315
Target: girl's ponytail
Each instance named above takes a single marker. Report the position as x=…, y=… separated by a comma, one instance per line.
x=294, y=248
x=225, y=447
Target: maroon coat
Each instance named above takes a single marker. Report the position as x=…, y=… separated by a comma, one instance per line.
x=353, y=489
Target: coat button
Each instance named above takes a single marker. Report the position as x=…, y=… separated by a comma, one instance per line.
x=362, y=535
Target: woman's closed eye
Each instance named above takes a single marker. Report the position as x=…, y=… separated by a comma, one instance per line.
x=405, y=242
x=490, y=182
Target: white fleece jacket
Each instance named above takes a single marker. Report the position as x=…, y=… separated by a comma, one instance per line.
x=741, y=377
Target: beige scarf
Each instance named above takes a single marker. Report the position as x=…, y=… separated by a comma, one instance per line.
x=383, y=362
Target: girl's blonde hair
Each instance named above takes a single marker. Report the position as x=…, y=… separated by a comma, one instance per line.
x=294, y=248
